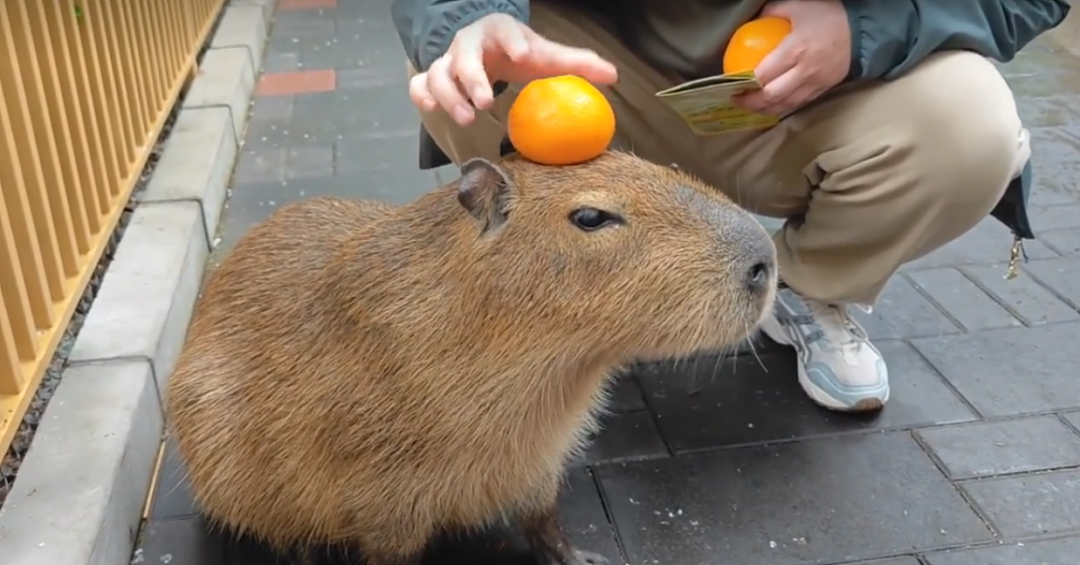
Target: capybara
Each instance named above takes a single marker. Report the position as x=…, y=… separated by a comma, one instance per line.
x=368, y=375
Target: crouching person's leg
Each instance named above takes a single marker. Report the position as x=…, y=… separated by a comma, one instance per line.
x=893, y=171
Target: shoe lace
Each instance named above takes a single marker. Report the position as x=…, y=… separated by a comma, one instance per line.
x=838, y=327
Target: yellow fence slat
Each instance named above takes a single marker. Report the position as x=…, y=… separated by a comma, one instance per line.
x=25, y=234
x=140, y=108
x=106, y=108
x=75, y=232
x=85, y=89
x=107, y=25
x=50, y=207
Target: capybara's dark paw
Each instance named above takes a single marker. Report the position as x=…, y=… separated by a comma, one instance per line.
x=588, y=558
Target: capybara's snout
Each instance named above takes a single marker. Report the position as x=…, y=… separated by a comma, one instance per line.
x=753, y=256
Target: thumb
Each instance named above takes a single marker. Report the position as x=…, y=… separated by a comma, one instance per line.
x=550, y=58
x=777, y=9
x=779, y=61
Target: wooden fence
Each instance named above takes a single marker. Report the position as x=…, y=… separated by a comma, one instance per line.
x=85, y=87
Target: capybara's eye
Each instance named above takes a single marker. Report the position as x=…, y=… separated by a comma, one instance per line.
x=589, y=219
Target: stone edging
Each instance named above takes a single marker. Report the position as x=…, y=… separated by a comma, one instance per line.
x=80, y=493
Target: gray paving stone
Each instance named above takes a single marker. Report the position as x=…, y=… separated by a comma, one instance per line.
x=1055, y=164
x=901, y=312
x=983, y=449
x=381, y=110
x=182, y=541
x=900, y=561
x=189, y=540
x=1073, y=418
x=1059, y=109
x=362, y=10
x=1051, y=552
x=626, y=395
x=376, y=50
x=965, y=302
x=358, y=25
x=707, y=403
x=293, y=28
x=381, y=156
x=280, y=62
x=1066, y=242
x=1023, y=296
x=1027, y=505
x=626, y=437
x=271, y=109
x=583, y=516
x=1060, y=276
x=263, y=165
x=333, y=53
x=252, y=202
x=826, y=501
x=310, y=161
x=1045, y=218
x=1010, y=371
x=988, y=243
x=172, y=497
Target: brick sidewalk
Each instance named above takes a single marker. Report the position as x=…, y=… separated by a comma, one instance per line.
x=727, y=461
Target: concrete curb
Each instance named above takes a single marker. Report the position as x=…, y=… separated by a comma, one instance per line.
x=80, y=492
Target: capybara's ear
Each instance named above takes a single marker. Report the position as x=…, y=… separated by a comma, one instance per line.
x=483, y=190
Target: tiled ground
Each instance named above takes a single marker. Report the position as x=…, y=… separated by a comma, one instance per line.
x=724, y=461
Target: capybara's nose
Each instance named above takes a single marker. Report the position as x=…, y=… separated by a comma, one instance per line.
x=759, y=276
x=757, y=256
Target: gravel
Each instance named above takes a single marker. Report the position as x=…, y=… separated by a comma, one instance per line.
x=9, y=466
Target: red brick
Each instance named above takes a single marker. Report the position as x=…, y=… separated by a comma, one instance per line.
x=306, y=4
x=296, y=82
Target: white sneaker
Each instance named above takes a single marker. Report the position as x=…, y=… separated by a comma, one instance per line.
x=838, y=366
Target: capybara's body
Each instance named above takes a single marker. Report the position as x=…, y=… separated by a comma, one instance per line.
x=373, y=375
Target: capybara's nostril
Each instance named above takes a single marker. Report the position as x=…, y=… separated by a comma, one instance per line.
x=758, y=277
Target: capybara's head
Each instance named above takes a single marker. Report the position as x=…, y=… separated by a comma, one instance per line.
x=622, y=257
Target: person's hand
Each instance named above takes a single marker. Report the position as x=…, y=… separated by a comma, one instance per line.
x=813, y=58
x=493, y=48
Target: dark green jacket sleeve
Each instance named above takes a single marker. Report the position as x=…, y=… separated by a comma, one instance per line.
x=427, y=27
x=889, y=37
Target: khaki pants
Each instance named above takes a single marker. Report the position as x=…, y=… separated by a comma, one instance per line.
x=868, y=179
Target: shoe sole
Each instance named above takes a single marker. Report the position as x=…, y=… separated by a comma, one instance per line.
x=823, y=400
x=819, y=396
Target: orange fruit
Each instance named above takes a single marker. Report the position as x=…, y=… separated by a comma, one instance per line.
x=562, y=120
x=752, y=41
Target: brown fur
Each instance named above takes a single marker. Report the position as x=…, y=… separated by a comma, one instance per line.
x=368, y=374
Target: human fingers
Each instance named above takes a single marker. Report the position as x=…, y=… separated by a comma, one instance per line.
x=802, y=96
x=779, y=61
x=774, y=95
x=511, y=37
x=779, y=8
x=443, y=86
x=419, y=93
x=547, y=58
x=495, y=37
